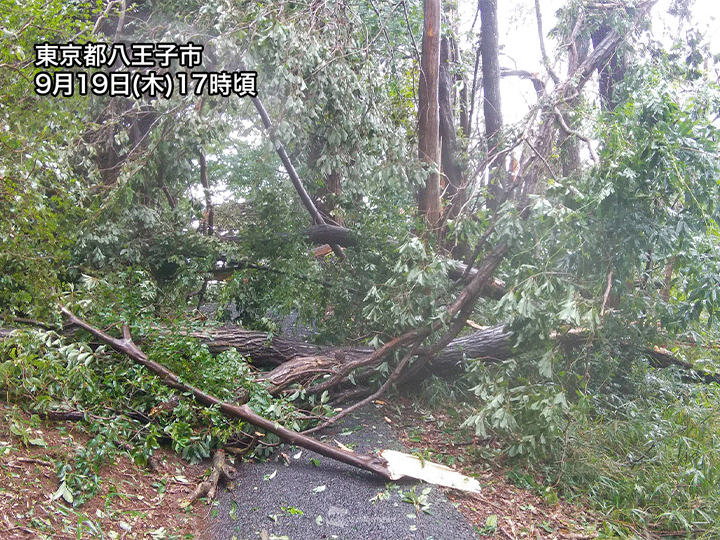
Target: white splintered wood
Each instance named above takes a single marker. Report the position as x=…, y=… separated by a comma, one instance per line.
x=400, y=464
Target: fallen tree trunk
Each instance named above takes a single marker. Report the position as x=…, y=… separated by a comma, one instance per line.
x=268, y=352
x=293, y=361
x=261, y=349
x=127, y=347
x=296, y=360
x=491, y=344
x=389, y=464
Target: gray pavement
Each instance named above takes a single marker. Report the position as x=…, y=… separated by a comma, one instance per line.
x=311, y=497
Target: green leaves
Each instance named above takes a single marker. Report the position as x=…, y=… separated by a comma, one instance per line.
x=41, y=196
x=530, y=414
x=411, y=292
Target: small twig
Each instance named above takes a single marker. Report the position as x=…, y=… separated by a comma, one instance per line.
x=487, y=501
x=383, y=30
x=23, y=529
x=32, y=460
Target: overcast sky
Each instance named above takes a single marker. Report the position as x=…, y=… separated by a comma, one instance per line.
x=521, y=49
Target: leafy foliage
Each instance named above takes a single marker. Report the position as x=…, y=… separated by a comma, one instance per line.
x=41, y=197
x=122, y=402
x=105, y=207
x=626, y=252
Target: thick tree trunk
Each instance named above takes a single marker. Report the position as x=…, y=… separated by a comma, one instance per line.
x=494, y=289
x=428, y=114
x=295, y=360
x=456, y=192
x=299, y=359
x=490, y=344
x=490, y=51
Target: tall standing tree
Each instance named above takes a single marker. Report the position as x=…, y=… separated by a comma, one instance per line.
x=492, y=106
x=429, y=113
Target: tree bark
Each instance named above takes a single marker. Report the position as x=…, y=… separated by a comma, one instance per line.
x=495, y=289
x=490, y=53
x=429, y=115
x=456, y=190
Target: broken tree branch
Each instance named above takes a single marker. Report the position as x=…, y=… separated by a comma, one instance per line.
x=220, y=470
x=243, y=412
x=299, y=187
x=458, y=312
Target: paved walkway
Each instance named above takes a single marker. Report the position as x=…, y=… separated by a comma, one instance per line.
x=316, y=498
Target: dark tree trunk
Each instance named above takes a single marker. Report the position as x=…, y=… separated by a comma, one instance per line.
x=329, y=194
x=610, y=73
x=317, y=234
x=452, y=170
x=292, y=173
x=455, y=175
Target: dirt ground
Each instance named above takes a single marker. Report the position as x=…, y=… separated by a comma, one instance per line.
x=133, y=502
x=136, y=503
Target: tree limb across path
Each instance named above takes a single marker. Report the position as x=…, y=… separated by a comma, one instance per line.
x=293, y=361
x=389, y=464
x=128, y=347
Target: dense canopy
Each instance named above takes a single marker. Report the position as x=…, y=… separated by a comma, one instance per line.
x=338, y=177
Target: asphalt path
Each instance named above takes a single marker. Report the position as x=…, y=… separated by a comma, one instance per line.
x=300, y=495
